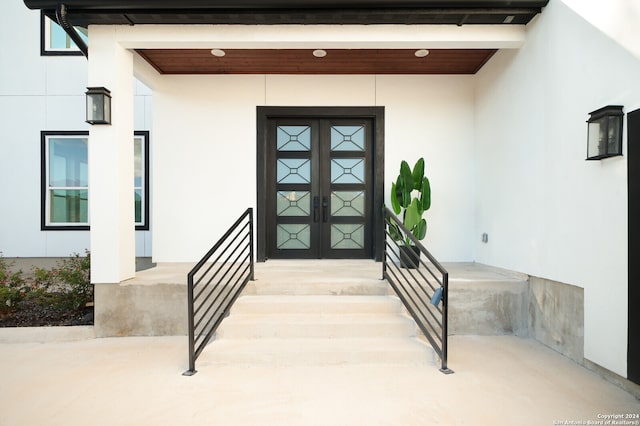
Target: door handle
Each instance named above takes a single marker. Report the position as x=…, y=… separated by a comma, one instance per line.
x=325, y=205
x=316, y=206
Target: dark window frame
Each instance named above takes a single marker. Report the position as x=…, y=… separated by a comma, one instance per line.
x=43, y=42
x=145, y=199
x=44, y=134
x=43, y=181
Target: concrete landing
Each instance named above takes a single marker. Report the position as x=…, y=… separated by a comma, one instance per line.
x=483, y=300
x=499, y=381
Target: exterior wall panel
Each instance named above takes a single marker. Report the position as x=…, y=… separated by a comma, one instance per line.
x=40, y=93
x=205, y=145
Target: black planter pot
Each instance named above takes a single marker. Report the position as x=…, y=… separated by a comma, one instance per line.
x=409, y=257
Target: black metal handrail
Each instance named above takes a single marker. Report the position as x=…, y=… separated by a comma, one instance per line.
x=214, y=285
x=420, y=285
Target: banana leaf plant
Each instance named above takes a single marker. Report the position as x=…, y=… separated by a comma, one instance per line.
x=411, y=197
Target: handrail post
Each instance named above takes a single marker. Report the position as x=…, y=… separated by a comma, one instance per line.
x=219, y=284
x=192, y=359
x=445, y=327
x=251, y=261
x=416, y=290
x=384, y=243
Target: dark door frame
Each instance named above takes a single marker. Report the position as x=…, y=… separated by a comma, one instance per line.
x=633, y=281
x=265, y=113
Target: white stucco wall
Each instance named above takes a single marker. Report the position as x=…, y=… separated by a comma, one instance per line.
x=41, y=93
x=547, y=211
x=433, y=116
x=616, y=18
x=205, y=148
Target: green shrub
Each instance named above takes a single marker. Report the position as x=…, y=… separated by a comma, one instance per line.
x=13, y=286
x=67, y=285
x=42, y=278
x=73, y=275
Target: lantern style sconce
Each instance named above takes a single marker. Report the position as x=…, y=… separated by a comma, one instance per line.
x=98, y=105
x=605, y=133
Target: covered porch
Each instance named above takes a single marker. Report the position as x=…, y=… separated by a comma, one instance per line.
x=504, y=146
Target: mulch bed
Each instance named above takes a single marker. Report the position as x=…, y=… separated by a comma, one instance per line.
x=28, y=313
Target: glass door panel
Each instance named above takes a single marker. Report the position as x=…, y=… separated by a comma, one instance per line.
x=348, y=138
x=293, y=203
x=293, y=236
x=348, y=173
x=294, y=231
x=294, y=170
x=294, y=138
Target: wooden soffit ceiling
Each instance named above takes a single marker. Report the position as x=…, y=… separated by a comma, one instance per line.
x=302, y=61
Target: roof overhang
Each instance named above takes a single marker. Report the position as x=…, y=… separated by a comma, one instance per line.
x=373, y=36
x=132, y=12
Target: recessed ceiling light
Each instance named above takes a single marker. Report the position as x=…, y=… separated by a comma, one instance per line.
x=421, y=53
x=319, y=53
x=218, y=53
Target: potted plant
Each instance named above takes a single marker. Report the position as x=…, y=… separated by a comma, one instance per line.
x=410, y=198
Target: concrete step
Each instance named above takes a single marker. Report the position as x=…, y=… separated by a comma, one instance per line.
x=318, y=286
x=316, y=305
x=307, y=313
x=289, y=352
x=316, y=326
x=313, y=277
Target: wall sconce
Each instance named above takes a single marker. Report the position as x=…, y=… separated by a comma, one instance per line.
x=605, y=133
x=98, y=105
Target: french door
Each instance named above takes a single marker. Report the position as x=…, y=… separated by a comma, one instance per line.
x=319, y=188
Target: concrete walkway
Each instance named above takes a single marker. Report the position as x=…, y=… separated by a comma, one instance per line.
x=502, y=380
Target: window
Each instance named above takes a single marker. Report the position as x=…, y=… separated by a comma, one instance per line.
x=65, y=180
x=55, y=41
x=141, y=179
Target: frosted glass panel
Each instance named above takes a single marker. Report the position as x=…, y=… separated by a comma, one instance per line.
x=347, y=203
x=347, y=138
x=294, y=170
x=293, y=203
x=347, y=170
x=293, y=138
x=347, y=236
x=293, y=236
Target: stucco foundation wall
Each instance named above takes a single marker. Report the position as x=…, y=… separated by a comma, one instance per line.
x=204, y=155
x=556, y=316
x=549, y=213
x=488, y=308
